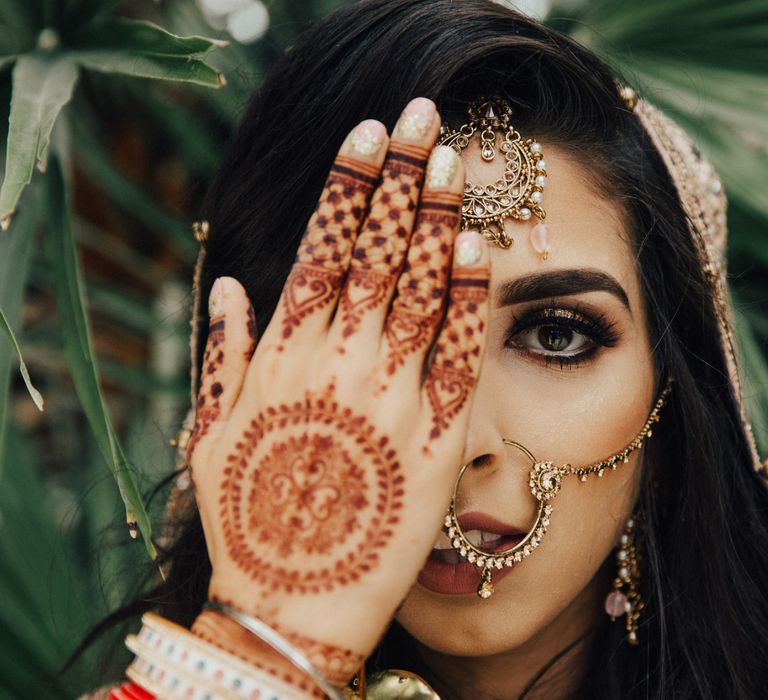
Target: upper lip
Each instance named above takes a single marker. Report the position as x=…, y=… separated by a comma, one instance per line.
x=487, y=523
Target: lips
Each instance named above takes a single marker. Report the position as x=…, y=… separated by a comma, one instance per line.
x=441, y=575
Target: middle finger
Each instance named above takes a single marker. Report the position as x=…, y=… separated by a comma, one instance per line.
x=384, y=237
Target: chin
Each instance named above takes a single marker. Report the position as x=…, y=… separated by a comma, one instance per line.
x=466, y=625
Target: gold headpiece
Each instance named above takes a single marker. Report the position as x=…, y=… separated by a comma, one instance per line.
x=517, y=193
x=703, y=200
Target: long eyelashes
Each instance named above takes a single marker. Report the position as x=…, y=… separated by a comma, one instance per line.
x=566, y=336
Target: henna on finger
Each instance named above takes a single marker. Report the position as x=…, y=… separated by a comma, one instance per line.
x=293, y=496
x=417, y=308
x=456, y=360
x=208, y=405
x=323, y=254
x=383, y=240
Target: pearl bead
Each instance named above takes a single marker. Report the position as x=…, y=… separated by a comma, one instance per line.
x=525, y=213
x=541, y=165
x=535, y=147
x=541, y=180
x=536, y=197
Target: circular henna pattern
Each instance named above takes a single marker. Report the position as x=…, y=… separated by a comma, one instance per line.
x=296, y=489
x=313, y=491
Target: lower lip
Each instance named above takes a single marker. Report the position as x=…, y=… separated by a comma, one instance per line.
x=458, y=579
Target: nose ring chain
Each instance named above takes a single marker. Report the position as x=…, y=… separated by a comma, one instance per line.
x=544, y=481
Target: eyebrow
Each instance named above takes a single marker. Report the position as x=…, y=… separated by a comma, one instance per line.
x=541, y=285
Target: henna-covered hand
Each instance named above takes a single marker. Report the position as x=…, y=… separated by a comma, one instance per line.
x=323, y=457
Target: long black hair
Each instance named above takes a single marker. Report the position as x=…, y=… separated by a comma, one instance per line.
x=704, y=631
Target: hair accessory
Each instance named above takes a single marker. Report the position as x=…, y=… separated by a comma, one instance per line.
x=517, y=193
x=625, y=598
x=278, y=643
x=544, y=481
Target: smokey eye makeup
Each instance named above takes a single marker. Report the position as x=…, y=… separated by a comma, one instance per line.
x=562, y=335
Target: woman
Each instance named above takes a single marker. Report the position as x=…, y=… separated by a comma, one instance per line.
x=340, y=394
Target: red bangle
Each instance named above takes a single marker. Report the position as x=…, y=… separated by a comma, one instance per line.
x=130, y=691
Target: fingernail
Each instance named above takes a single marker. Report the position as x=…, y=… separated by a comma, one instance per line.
x=442, y=166
x=366, y=138
x=216, y=298
x=468, y=248
x=416, y=119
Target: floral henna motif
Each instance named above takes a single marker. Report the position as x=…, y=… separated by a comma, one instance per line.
x=383, y=240
x=208, y=407
x=457, y=351
x=296, y=470
x=320, y=264
x=315, y=502
x=418, y=306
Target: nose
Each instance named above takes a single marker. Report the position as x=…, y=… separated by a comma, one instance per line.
x=496, y=480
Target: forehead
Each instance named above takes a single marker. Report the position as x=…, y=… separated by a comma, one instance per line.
x=586, y=228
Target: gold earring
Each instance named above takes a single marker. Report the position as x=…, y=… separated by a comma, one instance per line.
x=517, y=194
x=544, y=481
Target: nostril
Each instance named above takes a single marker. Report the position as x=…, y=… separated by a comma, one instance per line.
x=481, y=461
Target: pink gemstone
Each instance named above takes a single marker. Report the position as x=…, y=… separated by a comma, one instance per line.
x=616, y=604
x=540, y=240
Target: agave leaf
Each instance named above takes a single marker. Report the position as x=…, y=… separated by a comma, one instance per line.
x=5, y=326
x=70, y=296
x=42, y=85
x=116, y=34
x=15, y=255
x=175, y=68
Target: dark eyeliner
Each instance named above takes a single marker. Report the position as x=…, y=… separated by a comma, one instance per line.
x=597, y=328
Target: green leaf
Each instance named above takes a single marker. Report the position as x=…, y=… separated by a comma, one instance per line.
x=5, y=326
x=42, y=85
x=15, y=254
x=78, y=349
x=140, y=37
x=176, y=68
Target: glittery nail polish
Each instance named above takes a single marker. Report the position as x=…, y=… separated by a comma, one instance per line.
x=367, y=137
x=216, y=298
x=441, y=168
x=467, y=248
x=416, y=119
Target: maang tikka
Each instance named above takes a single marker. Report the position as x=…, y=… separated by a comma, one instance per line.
x=517, y=194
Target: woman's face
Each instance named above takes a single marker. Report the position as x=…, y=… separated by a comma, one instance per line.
x=568, y=373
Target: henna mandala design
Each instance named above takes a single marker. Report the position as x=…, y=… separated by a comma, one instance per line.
x=315, y=503
x=457, y=351
x=207, y=408
x=290, y=499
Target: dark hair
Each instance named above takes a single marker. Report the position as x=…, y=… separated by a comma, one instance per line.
x=704, y=631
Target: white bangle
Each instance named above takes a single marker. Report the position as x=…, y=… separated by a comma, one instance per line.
x=278, y=643
x=171, y=662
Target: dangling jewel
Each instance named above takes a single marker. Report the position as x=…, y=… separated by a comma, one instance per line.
x=540, y=240
x=616, y=604
x=485, y=589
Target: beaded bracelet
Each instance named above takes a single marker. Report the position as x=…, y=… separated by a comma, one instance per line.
x=279, y=643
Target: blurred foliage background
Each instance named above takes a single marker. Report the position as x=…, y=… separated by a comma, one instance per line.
x=96, y=261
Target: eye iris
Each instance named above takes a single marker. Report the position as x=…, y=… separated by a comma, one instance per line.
x=554, y=338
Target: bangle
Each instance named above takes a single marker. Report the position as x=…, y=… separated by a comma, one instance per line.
x=278, y=643
x=171, y=662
